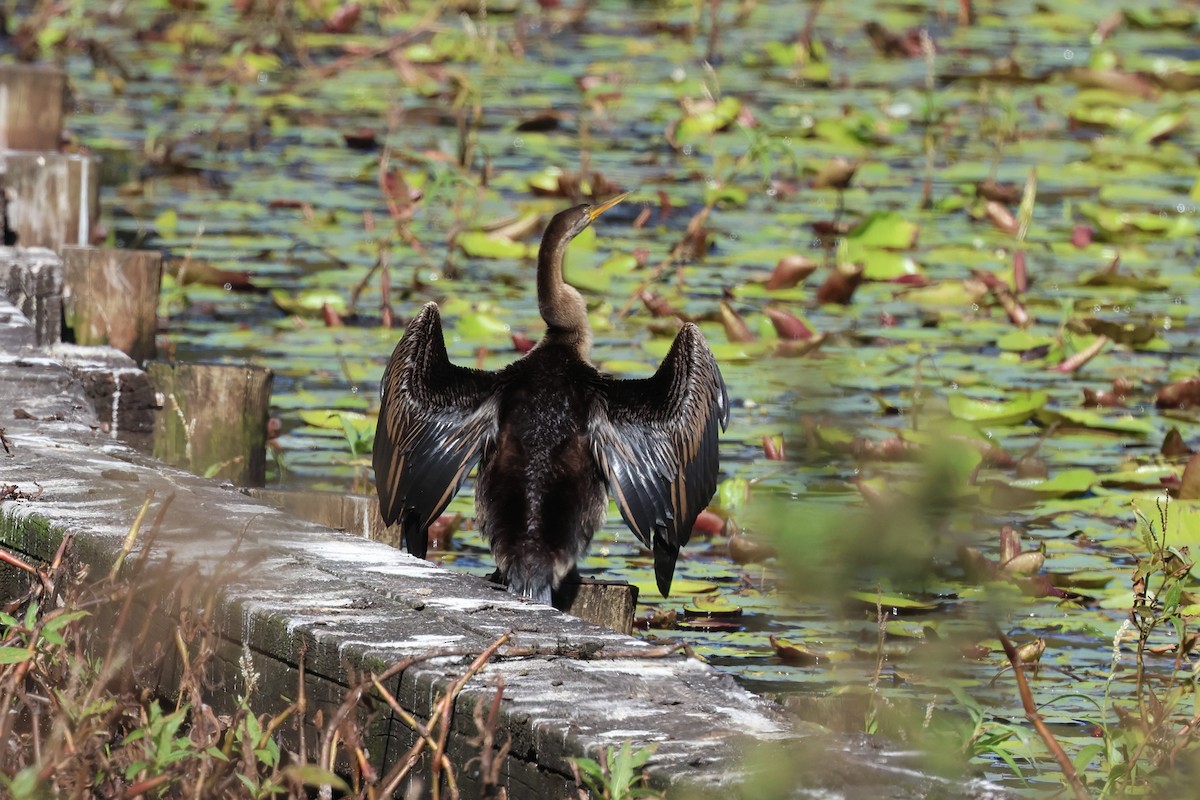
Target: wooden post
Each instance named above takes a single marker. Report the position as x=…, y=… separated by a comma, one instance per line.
x=608, y=603
x=110, y=297
x=31, y=107
x=213, y=419
x=55, y=198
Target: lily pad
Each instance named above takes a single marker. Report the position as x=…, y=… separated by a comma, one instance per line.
x=309, y=303
x=898, y=603
x=990, y=412
x=712, y=605
x=1098, y=420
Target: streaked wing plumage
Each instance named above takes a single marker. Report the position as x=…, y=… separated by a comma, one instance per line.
x=434, y=419
x=655, y=440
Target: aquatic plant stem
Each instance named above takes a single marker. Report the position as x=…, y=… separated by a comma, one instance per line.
x=1031, y=713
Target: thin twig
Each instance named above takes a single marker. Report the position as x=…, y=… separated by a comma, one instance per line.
x=130, y=537
x=1039, y=724
x=441, y=713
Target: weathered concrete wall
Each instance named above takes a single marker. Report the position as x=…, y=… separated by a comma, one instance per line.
x=32, y=278
x=290, y=590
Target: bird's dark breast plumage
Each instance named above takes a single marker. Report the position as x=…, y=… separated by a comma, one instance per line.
x=540, y=495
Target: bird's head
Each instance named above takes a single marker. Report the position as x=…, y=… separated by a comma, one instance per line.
x=566, y=225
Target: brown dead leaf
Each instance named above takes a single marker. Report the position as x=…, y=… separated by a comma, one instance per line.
x=1000, y=216
x=744, y=550
x=1181, y=394
x=788, y=326
x=1173, y=445
x=735, y=327
x=791, y=271
x=839, y=286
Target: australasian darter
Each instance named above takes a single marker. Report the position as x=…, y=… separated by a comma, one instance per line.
x=549, y=433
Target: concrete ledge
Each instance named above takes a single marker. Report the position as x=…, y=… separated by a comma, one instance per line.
x=32, y=277
x=292, y=591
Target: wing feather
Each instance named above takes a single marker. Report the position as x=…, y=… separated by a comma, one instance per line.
x=655, y=440
x=434, y=420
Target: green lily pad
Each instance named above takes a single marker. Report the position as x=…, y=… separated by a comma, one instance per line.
x=479, y=244
x=732, y=495
x=680, y=587
x=480, y=326
x=712, y=605
x=890, y=601
x=885, y=229
x=1098, y=420
x=709, y=121
x=1068, y=481
x=331, y=419
x=990, y=412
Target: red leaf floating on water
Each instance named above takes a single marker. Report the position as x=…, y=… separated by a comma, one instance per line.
x=442, y=531
x=999, y=215
x=344, y=18
x=657, y=306
x=1189, y=483
x=744, y=550
x=790, y=271
x=1181, y=394
x=360, y=139
x=1093, y=398
x=1081, y=235
x=840, y=285
x=1020, y=275
x=772, y=449
x=892, y=44
x=1000, y=192
x=708, y=523
x=735, y=326
x=1010, y=543
x=522, y=343
x=792, y=653
x=788, y=326
x=911, y=279
x=1173, y=444
x=1121, y=388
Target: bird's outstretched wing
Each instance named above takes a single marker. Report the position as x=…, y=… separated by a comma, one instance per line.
x=655, y=440
x=434, y=419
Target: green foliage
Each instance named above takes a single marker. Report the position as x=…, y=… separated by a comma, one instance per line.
x=617, y=775
x=110, y=732
x=164, y=745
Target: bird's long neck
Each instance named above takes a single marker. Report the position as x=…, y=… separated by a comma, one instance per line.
x=561, y=306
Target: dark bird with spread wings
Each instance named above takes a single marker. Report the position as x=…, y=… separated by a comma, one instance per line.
x=550, y=433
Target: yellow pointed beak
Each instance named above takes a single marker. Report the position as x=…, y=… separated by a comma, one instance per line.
x=596, y=211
